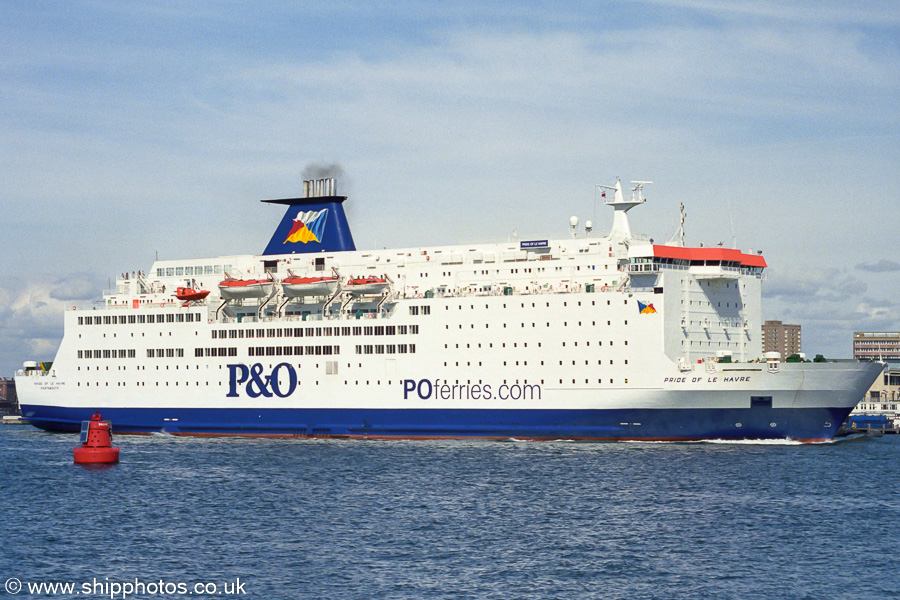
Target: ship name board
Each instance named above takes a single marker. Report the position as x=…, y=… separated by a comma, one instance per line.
x=729, y=379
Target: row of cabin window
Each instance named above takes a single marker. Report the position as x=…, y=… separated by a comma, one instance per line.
x=166, y=352
x=199, y=270
x=386, y=349
x=525, y=363
x=533, y=325
x=139, y=319
x=426, y=310
x=293, y=350
x=215, y=351
x=316, y=331
x=525, y=344
x=107, y=354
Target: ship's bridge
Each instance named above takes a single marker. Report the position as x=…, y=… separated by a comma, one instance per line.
x=703, y=263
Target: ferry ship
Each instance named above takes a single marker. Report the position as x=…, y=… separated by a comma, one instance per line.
x=589, y=337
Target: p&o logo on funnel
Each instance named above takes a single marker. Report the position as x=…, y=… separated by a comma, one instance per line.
x=308, y=227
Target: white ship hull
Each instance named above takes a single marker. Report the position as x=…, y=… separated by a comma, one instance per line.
x=591, y=339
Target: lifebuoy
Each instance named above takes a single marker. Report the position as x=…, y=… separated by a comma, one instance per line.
x=603, y=289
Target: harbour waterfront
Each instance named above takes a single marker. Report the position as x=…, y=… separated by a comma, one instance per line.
x=441, y=519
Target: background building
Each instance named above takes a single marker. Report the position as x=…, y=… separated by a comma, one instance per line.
x=876, y=345
x=9, y=402
x=779, y=337
x=883, y=398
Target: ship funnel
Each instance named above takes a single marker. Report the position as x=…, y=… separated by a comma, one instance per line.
x=317, y=188
x=314, y=222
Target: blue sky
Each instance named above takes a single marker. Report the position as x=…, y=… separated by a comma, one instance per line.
x=130, y=129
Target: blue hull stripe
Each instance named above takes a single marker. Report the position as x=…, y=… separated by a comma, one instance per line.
x=633, y=424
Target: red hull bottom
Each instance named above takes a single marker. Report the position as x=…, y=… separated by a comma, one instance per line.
x=411, y=438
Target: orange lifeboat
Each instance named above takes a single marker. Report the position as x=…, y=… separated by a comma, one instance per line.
x=231, y=288
x=363, y=286
x=294, y=286
x=190, y=295
x=96, y=443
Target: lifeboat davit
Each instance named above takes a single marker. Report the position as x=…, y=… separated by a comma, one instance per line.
x=366, y=286
x=309, y=286
x=246, y=288
x=190, y=295
x=96, y=443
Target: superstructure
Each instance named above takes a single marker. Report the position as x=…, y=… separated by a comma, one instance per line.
x=606, y=338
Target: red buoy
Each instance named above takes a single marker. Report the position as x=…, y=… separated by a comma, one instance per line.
x=96, y=443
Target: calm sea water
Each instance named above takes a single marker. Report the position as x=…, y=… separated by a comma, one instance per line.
x=356, y=519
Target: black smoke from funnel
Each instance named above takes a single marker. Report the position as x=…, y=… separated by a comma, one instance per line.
x=335, y=170
x=323, y=170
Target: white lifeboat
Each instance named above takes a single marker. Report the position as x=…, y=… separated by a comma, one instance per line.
x=366, y=286
x=245, y=288
x=295, y=287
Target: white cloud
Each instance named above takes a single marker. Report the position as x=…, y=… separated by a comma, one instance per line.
x=831, y=13
x=829, y=305
x=827, y=285
x=76, y=286
x=30, y=323
x=469, y=121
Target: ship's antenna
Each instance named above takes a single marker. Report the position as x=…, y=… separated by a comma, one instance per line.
x=597, y=186
x=678, y=238
x=731, y=218
x=620, y=230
